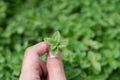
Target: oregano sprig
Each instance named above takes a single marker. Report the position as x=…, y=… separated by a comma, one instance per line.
x=56, y=42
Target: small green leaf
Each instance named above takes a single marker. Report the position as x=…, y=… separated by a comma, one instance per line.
x=56, y=39
x=48, y=40
x=56, y=36
x=63, y=43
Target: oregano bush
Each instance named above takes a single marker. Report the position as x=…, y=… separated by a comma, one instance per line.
x=91, y=29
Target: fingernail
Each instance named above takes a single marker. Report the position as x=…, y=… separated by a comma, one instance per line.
x=51, y=55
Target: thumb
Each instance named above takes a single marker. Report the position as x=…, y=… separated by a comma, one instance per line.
x=55, y=67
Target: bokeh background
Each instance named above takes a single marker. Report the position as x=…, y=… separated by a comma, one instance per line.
x=91, y=26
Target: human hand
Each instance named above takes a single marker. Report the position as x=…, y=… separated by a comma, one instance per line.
x=35, y=69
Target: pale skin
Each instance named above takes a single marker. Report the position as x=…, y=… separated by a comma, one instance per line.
x=35, y=69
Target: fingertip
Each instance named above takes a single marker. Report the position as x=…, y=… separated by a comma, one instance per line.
x=39, y=49
x=45, y=45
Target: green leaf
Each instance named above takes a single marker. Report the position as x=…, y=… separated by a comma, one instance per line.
x=48, y=40
x=56, y=36
x=63, y=43
x=56, y=39
x=94, y=62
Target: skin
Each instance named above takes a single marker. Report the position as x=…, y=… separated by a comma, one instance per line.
x=35, y=69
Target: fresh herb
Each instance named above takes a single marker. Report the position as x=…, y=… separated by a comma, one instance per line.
x=56, y=42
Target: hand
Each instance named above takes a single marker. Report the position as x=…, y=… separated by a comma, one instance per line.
x=35, y=69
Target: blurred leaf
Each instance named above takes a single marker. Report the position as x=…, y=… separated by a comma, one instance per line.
x=94, y=62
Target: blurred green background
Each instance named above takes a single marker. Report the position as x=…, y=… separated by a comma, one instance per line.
x=91, y=26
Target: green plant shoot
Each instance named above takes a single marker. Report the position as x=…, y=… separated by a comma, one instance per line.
x=56, y=42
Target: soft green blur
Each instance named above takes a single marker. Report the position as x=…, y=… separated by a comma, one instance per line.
x=91, y=26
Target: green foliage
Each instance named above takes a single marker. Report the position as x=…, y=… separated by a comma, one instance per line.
x=91, y=26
